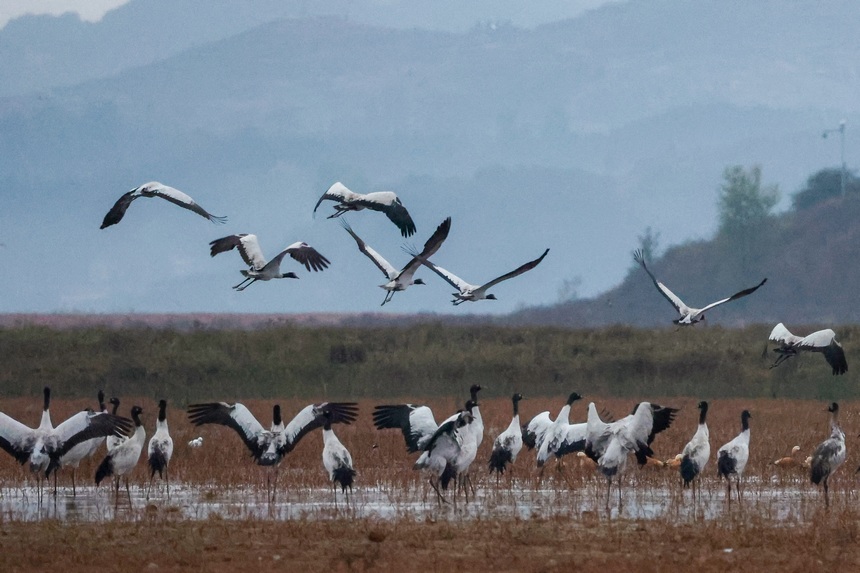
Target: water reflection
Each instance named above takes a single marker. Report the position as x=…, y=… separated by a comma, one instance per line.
x=790, y=503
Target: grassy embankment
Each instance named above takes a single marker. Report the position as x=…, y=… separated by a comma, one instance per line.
x=421, y=361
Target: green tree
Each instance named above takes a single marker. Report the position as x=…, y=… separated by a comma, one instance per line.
x=823, y=185
x=744, y=204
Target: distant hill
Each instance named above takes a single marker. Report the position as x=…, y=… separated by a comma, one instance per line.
x=573, y=136
x=811, y=259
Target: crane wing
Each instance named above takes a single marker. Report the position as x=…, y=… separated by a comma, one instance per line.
x=16, y=438
x=597, y=434
x=117, y=212
x=337, y=192
x=782, y=335
x=84, y=426
x=390, y=204
x=311, y=417
x=430, y=247
x=177, y=197
x=516, y=272
x=735, y=296
x=535, y=431
x=235, y=416
x=248, y=246
x=304, y=254
x=449, y=277
x=679, y=305
x=817, y=340
x=415, y=422
x=383, y=265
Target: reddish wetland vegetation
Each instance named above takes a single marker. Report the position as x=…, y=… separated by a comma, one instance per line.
x=522, y=522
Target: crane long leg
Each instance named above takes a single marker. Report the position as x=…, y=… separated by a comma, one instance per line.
x=238, y=288
x=128, y=492
x=439, y=497
x=246, y=279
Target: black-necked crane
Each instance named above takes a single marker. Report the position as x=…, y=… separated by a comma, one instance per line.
x=417, y=422
x=467, y=292
x=789, y=461
x=610, y=444
x=732, y=457
x=698, y=449
x=262, y=269
x=599, y=432
x=829, y=455
x=44, y=446
x=404, y=278
x=443, y=450
x=336, y=460
x=113, y=441
x=689, y=315
x=156, y=189
x=562, y=437
x=821, y=341
x=508, y=444
x=383, y=201
x=268, y=447
x=160, y=449
x=85, y=449
x=122, y=459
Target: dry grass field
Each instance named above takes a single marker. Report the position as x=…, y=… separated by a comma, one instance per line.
x=559, y=521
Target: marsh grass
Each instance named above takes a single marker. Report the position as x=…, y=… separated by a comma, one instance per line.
x=428, y=360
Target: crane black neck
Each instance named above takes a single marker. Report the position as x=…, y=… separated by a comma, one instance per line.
x=47, y=402
x=703, y=412
x=162, y=410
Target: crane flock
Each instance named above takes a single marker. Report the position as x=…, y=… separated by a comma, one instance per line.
x=446, y=451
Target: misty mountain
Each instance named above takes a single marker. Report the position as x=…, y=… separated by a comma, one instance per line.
x=575, y=135
x=807, y=256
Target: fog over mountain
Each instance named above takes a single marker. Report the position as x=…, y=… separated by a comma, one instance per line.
x=576, y=135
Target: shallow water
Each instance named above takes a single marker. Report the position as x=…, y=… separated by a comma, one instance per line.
x=787, y=503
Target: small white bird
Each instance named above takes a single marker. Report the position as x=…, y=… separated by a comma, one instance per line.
x=402, y=279
x=689, y=315
x=122, y=459
x=698, y=450
x=336, y=460
x=382, y=201
x=160, y=448
x=822, y=341
x=472, y=293
x=156, y=189
x=508, y=444
x=196, y=442
x=732, y=457
x=259, y=267
x=829, y=455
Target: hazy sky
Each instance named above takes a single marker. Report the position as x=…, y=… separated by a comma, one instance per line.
x=520, y=13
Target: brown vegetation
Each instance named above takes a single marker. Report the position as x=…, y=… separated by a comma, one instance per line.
x=760, y=536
